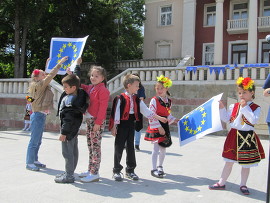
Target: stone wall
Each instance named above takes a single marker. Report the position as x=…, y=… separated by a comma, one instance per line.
x=185, y=98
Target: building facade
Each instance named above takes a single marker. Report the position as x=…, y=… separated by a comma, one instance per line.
x=213, y=31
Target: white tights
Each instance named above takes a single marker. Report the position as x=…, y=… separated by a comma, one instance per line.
x=227, y=171
x=158, y=151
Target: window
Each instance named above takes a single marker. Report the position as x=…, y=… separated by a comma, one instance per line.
x=266, y=8
x=239, y=53
x=210, y=15
x=163, y=49
x=265, y=52
x=208, y=54
x=240, y=11
x=166, y=15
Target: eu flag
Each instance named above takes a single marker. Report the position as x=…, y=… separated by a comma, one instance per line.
x=60, y=47
x=201, y=121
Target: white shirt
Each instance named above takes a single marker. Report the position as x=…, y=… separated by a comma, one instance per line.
x=143, y=110
x=251, y=116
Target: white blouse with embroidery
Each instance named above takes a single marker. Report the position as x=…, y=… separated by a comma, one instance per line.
x=154, y=123
x=238, y=123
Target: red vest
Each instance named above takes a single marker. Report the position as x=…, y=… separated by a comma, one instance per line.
x=235, y=112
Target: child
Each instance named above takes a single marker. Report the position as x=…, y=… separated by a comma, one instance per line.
x=242, y=145
x=72, y=104
x=95, y=118
x=141, y=95
x=28, y=112
x=126, y=109
x=40, y=91
x=158, y=132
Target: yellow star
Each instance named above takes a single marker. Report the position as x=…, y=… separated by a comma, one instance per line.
x=72, y=61
x=58, y=61
x=75, y=50
x=64, y=46
x=190, y=131
x=75, y=55
x=199, y=128
x=65, y=67
x=204, y=114
x=187, y=117
x=185, y=122
x=194, y=132
x=74, y=46
x=203, y=121
x=186, y=128
x=69, y=44
x=59, y=55
x=202, y=109
x=61, y=50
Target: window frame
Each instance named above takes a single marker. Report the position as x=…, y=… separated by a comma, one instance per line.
x=166, y=13
x=205, y=15
x=230, y=44
x=204, y=52
x=238, y=2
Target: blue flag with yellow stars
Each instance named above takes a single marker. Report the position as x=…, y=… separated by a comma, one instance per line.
x=61, y=47
x=201, y=121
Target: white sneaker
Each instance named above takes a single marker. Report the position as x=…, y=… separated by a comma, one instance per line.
x=90, y=178
x=84, y=174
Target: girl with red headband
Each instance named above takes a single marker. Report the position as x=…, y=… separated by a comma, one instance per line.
x=42, y=102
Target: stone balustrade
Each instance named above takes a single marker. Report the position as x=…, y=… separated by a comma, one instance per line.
x=18, y=88
x=180, y=75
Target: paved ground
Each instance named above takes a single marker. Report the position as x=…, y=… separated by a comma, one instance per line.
x=190, y=169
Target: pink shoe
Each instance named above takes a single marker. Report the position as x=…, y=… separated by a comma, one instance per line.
x=217, y=186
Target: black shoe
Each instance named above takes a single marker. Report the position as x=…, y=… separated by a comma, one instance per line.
x=137, y=148
x=160, y=170
x=64, y=179
x=132, y=176
x=118, y=176
x=156, y=173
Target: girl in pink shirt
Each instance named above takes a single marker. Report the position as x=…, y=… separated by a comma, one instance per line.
x=95, y=118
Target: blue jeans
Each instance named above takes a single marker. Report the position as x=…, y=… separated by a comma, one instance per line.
x=37, y=127
x=137, y=137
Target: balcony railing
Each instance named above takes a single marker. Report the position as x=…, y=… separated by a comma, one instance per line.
x=264, y=24
x=237, y=26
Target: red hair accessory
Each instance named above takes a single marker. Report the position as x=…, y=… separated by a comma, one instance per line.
x=36, y=72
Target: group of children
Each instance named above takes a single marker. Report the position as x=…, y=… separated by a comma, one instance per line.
x=242, y=144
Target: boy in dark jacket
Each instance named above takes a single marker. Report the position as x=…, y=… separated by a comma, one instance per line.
x=73, y=103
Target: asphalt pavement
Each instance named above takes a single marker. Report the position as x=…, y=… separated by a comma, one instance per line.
x=189, y=170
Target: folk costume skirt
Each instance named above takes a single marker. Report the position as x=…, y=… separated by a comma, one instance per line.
x=152, y=134
x=244, y=147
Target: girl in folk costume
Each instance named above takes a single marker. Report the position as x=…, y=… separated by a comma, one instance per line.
x=159, y=132
x=28, y=112
x=242, y=145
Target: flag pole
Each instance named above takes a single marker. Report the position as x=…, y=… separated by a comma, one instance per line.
x=268, y=182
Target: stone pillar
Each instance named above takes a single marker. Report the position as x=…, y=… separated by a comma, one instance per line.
x=218, y=33
x=252, y=31
x=188, y=32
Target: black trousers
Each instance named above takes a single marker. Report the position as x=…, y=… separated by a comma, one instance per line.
x=125, y=135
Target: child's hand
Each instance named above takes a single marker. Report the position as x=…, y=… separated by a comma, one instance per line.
x=162, y=119
x=161, y=131
x=79, y=61
x=48, y=59
x=243, y=103
x=63, y=60
x=96, y=128
x=62, y=138
x=114, y=131
x=176, y=120
x=69, y=72
x=221, y=105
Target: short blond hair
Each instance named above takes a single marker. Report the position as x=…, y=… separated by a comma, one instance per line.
x=130, y=79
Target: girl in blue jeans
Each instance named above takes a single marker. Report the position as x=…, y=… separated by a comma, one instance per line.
x=42, y=96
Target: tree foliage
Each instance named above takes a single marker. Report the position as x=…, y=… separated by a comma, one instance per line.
x=113, y=27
